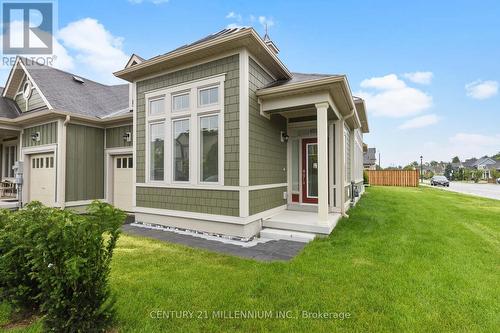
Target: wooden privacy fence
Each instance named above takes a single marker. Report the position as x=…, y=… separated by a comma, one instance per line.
x=405, y=178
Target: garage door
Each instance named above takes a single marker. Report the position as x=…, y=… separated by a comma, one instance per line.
x=42, y=185
x=122, y=182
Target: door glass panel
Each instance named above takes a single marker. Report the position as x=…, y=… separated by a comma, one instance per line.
x=295, y=166
x=312, y=170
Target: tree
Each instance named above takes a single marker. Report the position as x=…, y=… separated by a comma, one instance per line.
x=460, y=174
x=434, y=163
x=448, y=171
x=478, y=174
x=455, y=160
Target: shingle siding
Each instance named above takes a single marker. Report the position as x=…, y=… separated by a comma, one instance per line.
x=114, y=136
x=190, y=200
x=48, y=135
x=262, y=200
x=267, y=152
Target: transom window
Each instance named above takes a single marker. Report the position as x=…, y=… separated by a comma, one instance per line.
x=208, y=96
x=180, y=102
x=185, y=140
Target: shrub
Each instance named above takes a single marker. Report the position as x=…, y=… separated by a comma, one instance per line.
x=365, y=177
x=67, y=264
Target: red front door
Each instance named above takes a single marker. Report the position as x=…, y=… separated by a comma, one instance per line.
x=310, y=170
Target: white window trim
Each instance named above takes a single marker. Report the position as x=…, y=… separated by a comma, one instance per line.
x=193, y=113
x=172, y=175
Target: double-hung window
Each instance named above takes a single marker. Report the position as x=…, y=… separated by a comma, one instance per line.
x=185, y=127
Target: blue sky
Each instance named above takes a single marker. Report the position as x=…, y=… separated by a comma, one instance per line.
x=429, y=70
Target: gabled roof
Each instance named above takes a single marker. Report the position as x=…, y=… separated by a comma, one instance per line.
x=470, y=162
x=485, y=160
x=225, y=40
x=74, y=94
x=369, y=157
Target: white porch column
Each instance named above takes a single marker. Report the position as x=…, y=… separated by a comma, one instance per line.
x=322, y=124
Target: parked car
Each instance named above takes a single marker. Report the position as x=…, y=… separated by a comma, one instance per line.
x=440, y=180
x=498, y=180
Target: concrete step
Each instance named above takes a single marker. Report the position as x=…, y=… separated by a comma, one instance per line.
x=304, y=237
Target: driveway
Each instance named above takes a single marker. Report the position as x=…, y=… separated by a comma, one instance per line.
x=491, y=191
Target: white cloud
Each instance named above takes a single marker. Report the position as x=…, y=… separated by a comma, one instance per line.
x=419, y=122
x=393, y=98
x=233, y=15
x=388, y=82
x=481, y=89
x=266, y=21
x=102, y=54
x=419, y=77
x=467, y=145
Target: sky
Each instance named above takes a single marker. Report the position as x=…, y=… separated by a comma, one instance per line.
x=429, y=71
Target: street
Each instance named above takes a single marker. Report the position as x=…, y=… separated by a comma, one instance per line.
x=491, y=191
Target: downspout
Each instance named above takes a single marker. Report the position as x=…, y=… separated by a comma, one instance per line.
x=63, y=162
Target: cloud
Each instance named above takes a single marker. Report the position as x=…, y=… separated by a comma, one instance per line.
x=102, y=54
x=154, y=2
x=419, y=77
x=266, y=21
x=481, y=89
x=233, y=15
x=419, y=122
x=467, y=145
x=388, y=82
x=393, y=98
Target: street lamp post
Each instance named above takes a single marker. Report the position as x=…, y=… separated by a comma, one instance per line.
x=421, y=170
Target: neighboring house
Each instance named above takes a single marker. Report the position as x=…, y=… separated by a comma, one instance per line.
x=73, y=135
x=484, y=163
x=370, y=159
x=228, y=141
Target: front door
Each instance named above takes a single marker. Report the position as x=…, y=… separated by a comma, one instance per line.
x=310, y=170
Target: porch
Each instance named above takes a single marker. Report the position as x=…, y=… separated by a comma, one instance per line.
x=9, y=153
x=324, y=154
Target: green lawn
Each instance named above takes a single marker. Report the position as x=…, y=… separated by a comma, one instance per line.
x=406, y=260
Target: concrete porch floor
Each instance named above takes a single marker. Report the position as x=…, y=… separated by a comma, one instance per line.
x=302, y=221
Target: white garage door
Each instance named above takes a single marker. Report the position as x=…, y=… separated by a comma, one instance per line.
x=122, y=182
x=42, y=185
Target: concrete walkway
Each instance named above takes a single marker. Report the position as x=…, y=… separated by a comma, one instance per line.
x=272, y=250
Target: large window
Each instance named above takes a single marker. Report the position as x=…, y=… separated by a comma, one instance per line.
x=157, y=151
x=181, y=150
x=209, y=148
x=190, y=118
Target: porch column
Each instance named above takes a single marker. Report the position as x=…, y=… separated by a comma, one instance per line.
x=322, y=125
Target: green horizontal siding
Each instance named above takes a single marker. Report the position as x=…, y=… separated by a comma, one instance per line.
x=189, y=200
x=84, y=163
x=262, y=200
x=229, y=66
x=48, y=135
x=114, y=136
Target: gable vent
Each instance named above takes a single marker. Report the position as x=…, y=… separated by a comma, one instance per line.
x=78, y=79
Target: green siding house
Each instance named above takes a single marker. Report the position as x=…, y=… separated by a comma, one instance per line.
x=228, y=141
x=69, y=133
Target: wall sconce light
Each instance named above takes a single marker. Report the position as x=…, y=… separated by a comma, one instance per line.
x=127, y=136
x=284, y=136
x=35, y=136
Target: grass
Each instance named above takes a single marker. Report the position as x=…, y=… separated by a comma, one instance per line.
x=406, y=260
